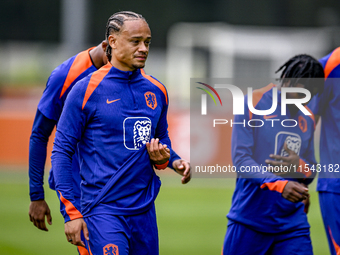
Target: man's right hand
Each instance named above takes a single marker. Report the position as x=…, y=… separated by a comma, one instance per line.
x=159, y=153
x=37, y=212
x=295, y=192
x=73, y=230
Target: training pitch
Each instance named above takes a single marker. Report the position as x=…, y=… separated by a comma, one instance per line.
x=191, y=217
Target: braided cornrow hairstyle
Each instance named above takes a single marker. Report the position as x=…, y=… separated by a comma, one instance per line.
x=115, y=23
x=303, y=67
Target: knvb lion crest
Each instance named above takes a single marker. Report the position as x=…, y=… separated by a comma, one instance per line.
x=141, y=133
x=110, y=249
x=151, y=100
x=293, y=143
x=137, y=132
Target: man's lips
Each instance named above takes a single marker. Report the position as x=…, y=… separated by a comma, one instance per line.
x=140, y=57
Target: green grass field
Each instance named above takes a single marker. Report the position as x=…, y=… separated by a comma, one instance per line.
x=191, y=218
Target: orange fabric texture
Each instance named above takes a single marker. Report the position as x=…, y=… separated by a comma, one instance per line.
x=275, y=186
x=89, y=249
x=333, y=61
x=96, y=78
x=162, y=166
x=71, y=211
x=82, y=250
x=79, y=65
x=111, y=249
x=336, y=246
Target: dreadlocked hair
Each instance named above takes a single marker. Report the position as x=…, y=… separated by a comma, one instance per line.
x=115, y=23
x=303, y=69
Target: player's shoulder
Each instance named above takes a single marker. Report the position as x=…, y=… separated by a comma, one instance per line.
x=82, y=60
x=88, y=85
x=263, y=94
x=331, y=63
x=264, y=91
x=333, y=54
x=59, y=74
x=152, y=80
x=96, y=78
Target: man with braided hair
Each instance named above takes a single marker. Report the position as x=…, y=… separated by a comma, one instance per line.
x=267, y=214
x=99, y=120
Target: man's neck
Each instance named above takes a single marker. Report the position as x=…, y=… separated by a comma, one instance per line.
x=96, y=55
x=121, y=67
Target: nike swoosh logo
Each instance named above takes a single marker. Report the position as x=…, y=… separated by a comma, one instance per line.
x=109, y=102
x=269, y=116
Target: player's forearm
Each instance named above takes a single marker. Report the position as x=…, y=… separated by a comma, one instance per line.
x=173, y=157
x=63, y=150
x=163, y=136
x=62, y=154
x=37, y=158
x=62, y=168
x=62, y=171
x=41, y=130
x=161, y=131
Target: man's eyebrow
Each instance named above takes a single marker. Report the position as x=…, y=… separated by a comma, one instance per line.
x=140, y=37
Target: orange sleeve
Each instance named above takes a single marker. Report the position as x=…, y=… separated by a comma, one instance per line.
x=70, y=209
x=275, y=186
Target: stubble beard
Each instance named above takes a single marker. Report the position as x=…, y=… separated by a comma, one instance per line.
x=138, y=66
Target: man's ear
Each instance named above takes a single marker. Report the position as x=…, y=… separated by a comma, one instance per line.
x=112, y=41
x=104, y=45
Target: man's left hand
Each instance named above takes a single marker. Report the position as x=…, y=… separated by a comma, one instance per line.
x=182, y=167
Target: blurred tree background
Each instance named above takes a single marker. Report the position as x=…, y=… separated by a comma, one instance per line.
x=38, y=35
x=40, y=20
